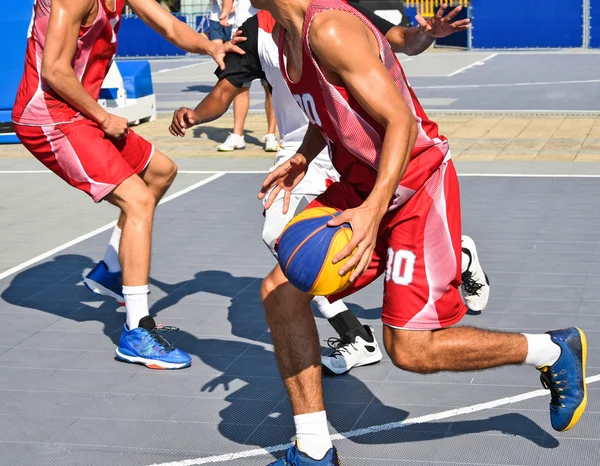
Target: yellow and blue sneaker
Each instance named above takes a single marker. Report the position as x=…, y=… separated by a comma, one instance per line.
x=294, y=457
x=105, y=283
x=145, y=345
x=566, y=378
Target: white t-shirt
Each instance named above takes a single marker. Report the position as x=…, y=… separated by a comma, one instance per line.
x=243, y=11
x=215, y=12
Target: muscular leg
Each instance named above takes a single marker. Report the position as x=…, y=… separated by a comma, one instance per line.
x=241, y=104
x=271, y=121
x=137, y=204
x=453, y=349
x=158, y=177
x=297, y=345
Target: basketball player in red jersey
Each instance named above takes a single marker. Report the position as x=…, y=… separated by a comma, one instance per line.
x=57, y=117
x=399, y=191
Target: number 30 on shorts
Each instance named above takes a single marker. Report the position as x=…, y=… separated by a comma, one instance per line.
x=400, y=266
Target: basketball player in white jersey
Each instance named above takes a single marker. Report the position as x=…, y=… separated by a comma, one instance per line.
x=356, y=345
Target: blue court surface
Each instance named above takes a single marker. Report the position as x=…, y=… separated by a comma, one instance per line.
x=64, y=400
x=445, y=81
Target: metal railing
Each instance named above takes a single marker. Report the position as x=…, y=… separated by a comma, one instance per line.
x=429, y=7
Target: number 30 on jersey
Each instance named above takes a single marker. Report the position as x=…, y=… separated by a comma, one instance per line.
x=400, y=266
x=307, y=104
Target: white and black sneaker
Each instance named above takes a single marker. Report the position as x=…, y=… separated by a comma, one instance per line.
x=351, y=351
x=475, y=289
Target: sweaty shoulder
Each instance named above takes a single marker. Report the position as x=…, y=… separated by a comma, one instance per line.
x=337, y=35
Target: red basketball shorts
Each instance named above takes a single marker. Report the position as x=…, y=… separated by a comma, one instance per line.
x=419, y=251
x=82, y=155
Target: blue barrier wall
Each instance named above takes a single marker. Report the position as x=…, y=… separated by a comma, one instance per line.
x=458, y=39
x=595, y=24
x=14, y=24
x=138, y=40
x=527, y=23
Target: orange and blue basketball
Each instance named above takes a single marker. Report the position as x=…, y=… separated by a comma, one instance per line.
x=306, y=249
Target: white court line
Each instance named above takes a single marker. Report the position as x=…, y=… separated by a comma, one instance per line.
x=540, y=83
x=97, y=231
x=183, y=67
x=378, y=428
x=477, y=63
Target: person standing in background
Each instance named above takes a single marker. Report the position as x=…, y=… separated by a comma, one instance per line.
x=221, y=21
x=241, y=103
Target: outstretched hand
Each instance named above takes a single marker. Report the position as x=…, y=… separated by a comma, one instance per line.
x=364, y=221
x=219, y=51
x=285, y=177
x=441, y=26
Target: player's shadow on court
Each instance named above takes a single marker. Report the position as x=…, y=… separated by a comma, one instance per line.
x=55, y=287
x=258, y=412
x=206, y=88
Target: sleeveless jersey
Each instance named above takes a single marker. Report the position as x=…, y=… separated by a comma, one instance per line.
x=355, y=139
x=37, y=104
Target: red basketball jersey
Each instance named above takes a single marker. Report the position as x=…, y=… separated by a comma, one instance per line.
x=355, y=139
x=36, y=103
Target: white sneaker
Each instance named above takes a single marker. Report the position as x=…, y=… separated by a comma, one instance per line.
x=351, y=351
x=475, y=289
x=271, y=143
x=233, y=142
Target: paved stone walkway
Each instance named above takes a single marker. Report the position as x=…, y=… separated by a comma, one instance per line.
x=474, y=137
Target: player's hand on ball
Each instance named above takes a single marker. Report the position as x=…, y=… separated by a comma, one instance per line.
x=364, y=221
x=183, y=119
x=115, y=126
x=441, y=26
x=285, y=177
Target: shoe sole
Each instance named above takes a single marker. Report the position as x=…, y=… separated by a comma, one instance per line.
x=150, y=363
x=270, y=150
x=230, y=150
x=100, y=290
x=368, y=362
x=581, y=408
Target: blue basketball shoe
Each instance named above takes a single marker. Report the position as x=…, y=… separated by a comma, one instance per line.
x=105, y=283
x=566, y=378
x=294, y=457
x=145, y=345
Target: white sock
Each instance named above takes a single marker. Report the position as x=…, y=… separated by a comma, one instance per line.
x=111, y=256
x=327, y=309
x=136, y=304
x=465, y=263
x=541, y=350
x=312, y=434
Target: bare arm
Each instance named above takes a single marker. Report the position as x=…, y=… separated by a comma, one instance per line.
x=413, y=41
x=213, y=106
x=312, y=144
x=226, y=9
x=365, y=76
x=179, y=33
x=66, y=17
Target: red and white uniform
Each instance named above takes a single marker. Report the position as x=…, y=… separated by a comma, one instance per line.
x=419, y=243
x=58, y=135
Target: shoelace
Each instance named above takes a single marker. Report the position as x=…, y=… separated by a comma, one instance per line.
x=549, y=383
x=341, y=344
x=469, y=285
x=155, y=334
